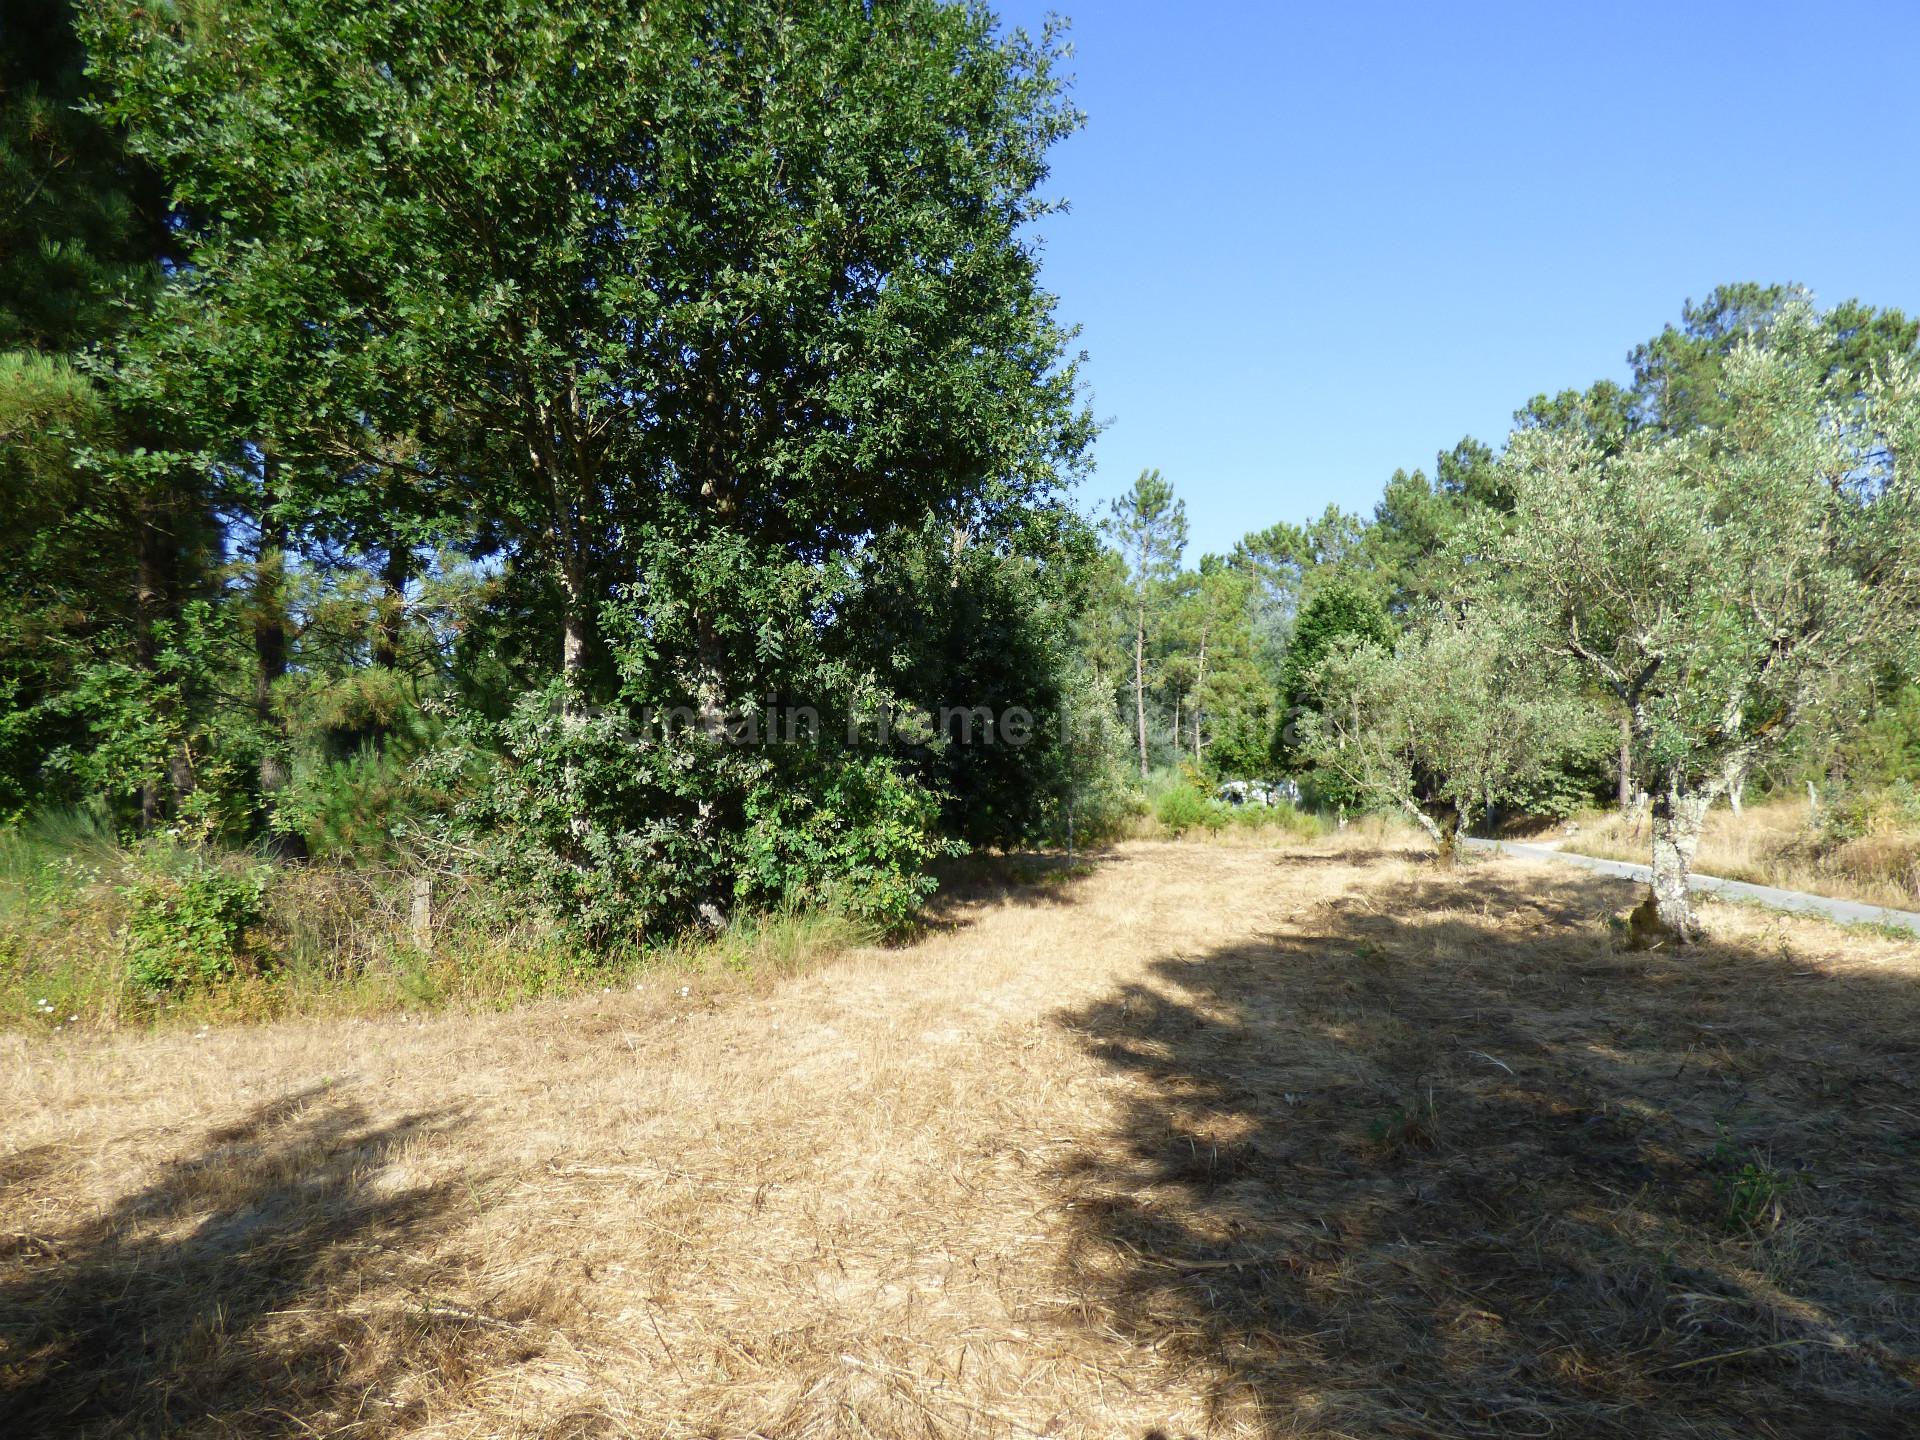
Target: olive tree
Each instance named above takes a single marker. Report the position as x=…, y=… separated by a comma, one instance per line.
x=1459, y=717
x=1723, y=584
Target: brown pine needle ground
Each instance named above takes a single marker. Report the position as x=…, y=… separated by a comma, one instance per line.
x=1208, y=1141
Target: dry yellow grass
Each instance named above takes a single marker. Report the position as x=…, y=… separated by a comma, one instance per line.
x=1774, y=844
x=1207, y=1140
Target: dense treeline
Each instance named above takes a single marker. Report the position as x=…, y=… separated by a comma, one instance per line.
x=618, y=457
x=1668, y=591
x=411, y=410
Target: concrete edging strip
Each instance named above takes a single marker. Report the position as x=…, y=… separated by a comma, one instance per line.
x=1847, y=912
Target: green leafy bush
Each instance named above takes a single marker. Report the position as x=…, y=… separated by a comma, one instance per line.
x=188, y=919
x=1183, y=808
x=627, y=834
x=860, y=844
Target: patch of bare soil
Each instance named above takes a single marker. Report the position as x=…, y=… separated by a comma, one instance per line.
x=1208, y=1141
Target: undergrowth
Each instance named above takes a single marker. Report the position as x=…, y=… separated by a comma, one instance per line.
x=94, y=935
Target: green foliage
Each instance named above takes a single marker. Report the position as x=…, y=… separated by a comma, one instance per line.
x=946, y=619
x=1462, y=716
x=915, y=365
x=1148, y=525
x=665, y=497
x=1724, y=587
x=361, y=808
x=627, y=826
x=1885, y=750
x=1853, y=812
x=1182, y=807
x=574, y=817
x=1100, y=794
x=188, y=918
x=859, y=842
x=1339, y=612
x=1680, y=381
x=87, y=223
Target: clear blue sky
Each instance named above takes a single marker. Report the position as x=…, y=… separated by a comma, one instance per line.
x=1311, y=244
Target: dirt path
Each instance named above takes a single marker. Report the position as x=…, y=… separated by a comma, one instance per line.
x=1209, y=1141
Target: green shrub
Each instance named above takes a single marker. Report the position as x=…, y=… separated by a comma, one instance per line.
x=356, y=809
x=1182, y=808
x=628, y=835
x=858, y=842
x=188, y=918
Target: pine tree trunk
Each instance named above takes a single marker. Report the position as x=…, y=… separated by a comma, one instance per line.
x=270, y=640
x=1678, y=814
x=1199, y=679
x=1140, y=682
x=156, y=584
x=394, y=575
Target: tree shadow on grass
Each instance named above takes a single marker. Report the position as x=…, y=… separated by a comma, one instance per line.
x=1026, y=877
x=248, y=1290
x=1445, y=1162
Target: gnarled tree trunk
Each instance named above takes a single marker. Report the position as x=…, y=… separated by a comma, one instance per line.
x=1626, y=763
x=1678, y=814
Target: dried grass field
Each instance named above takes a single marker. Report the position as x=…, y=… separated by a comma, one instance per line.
x=1779, y=844
x=1205, y=1140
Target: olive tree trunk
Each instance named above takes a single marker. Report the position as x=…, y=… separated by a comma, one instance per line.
x=1678, y=814
x=1626, y=763
x=1446, y=836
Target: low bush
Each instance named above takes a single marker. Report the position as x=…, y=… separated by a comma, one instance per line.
x=1182, y=808
x=189, y=918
